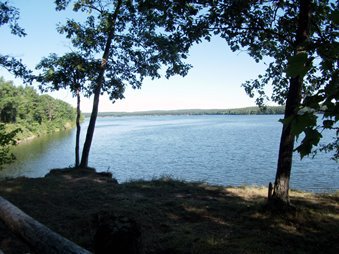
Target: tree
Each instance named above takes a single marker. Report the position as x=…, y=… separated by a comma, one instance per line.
x=133, y=42
x=6, y=140
x=70, y=71
x=300, y=38
x=22, y=107
x=8, y=103
x=9, y=15
x=8, y=113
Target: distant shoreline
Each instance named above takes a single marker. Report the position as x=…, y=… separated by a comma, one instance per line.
x=271, y=110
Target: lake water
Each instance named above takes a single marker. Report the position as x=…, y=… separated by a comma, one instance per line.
x=223, y=150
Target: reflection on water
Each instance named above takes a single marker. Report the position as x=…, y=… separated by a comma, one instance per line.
x=225, y=150
x=37, y=155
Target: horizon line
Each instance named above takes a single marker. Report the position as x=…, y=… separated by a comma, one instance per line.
x=185, y=109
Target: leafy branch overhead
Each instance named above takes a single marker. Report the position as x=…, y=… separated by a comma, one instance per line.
x=16, y=67
x=268, y=31
x=139, y=49
x=128, y=41
x=9, y=15
x=71, y=71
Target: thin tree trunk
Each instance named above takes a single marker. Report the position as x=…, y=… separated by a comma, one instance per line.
x=77, y=138
x=97, y=90
x=282, y=179
x=40, y=238
x=91, y=127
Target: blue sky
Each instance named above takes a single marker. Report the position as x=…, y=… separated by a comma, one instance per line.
x=213, y=82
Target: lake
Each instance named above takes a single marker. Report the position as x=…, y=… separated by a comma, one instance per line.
x=222, y=150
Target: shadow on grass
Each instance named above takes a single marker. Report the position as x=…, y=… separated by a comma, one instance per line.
x=175, y=216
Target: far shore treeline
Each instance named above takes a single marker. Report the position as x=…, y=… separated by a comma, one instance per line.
x=23, y=108
x=270, y=110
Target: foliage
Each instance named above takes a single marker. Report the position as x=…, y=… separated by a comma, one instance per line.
x=139, y=46
x=184, y=19
x=68, y=71
x=22, y=107
x=267, y=31
x=15, y=66
x=71, y=71
x=9, y=15
x=6, y=140
x=134, y=39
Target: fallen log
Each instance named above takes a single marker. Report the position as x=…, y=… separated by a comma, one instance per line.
x=40, y=238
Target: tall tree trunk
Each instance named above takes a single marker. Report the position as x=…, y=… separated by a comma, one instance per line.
x=77, y=138
x=91, y=125
x=282, y=179
x=97, y=90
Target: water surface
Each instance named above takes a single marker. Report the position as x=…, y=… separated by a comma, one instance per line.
x=224, y=150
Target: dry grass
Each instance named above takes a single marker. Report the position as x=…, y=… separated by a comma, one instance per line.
x=175, y=216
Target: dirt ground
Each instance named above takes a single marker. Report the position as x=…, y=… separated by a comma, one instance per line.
x=173, y=216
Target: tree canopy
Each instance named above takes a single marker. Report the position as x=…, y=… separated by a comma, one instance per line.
x=71, y=71
x=9, y=15
x=34, y=114
x=24, y=113
x=129, y=41
x=299, y=40
x=267, y=30
x=139, y=45
x=7, y=139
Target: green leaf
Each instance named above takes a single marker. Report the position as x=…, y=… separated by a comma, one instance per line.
x=50, y=72
x=313, y=101
x=334, y=16
x=302, y=122
x=312, y=138
x=297, y=65
x=286, y=121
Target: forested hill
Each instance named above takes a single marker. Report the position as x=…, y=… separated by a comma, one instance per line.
x=34, y=114
x=237, y=111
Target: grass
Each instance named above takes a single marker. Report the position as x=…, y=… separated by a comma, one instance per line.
x=174, y=216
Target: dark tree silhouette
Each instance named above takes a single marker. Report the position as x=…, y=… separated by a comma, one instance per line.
x=70, y=71
x=300, y=40
x=134, y=42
